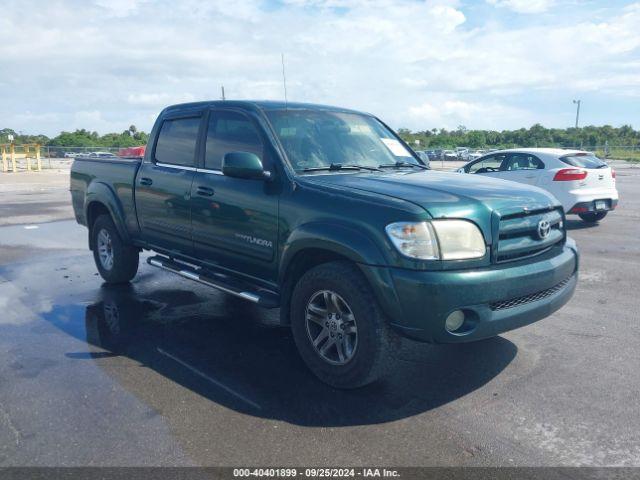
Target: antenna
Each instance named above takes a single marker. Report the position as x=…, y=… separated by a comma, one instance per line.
x=284, y=81
x=222, y=88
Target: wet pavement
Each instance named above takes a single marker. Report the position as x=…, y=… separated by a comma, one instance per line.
x=168, y=372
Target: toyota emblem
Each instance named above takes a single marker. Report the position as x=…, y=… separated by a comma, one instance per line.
x=544, y=229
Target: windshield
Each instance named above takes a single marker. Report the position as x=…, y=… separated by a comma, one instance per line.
x=319, y=139
x=584, y=160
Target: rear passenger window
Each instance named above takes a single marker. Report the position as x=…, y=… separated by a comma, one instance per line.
x=176, y=143
x=523, y=161
x=229, y=132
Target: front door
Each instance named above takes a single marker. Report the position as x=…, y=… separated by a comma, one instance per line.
x=163, y=186
x=234, y=221
x=489, y=165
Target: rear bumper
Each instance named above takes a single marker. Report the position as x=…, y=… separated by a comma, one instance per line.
x=494, y=299
x=592, y=206
x=577, y=200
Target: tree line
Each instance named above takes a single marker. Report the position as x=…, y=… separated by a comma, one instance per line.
x=131, y=137
x=536, y=136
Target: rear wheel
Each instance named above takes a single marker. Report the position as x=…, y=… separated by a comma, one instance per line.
x=339, y=329
x=592, y=217
x=117, y=262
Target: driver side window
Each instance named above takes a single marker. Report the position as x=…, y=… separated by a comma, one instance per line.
x=229, y=132
x=491, y=163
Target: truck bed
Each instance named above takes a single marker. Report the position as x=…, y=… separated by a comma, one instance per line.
x=92, y=177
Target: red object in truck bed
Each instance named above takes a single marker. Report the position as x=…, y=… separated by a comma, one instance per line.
x=132, y=151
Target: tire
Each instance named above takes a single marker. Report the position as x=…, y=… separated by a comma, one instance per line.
x=592, y=217
x=117, y=262
x=365, y=353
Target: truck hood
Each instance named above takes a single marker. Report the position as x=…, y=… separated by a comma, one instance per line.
x=447, y=195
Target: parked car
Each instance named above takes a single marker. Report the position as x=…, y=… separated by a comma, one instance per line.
x=424, y=156
x=100, y=155
x=477, y=154
x=70, y=154
x=584, y=184
x=450, y=155
x=435, y=154
x=462, y=153
x=327, y=214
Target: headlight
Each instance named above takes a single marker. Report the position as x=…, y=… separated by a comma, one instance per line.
x=438, y=239
x=459, y=239
x=416, y=240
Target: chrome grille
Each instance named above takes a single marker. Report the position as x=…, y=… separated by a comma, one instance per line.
x=518, y=235
x=516, y=302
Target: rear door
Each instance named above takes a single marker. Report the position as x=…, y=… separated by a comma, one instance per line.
x=163, y=185
x=235, y=221
x=522, y=168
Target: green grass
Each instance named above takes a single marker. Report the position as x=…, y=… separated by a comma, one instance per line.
x=621, y=154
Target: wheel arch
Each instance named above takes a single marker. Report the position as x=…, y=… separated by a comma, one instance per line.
x=314, y=244
x=101, y=200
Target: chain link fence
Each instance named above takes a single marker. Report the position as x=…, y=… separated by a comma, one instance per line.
x=629, y=153
x=59, y=156
x=49, y=151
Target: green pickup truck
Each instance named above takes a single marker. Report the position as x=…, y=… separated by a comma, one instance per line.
x=328, y=215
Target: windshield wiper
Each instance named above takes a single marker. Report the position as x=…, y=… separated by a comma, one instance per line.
x=339, y=166
x=403, y=164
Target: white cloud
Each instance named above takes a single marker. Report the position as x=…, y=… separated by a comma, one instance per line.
x=417, y=64
x=524, y=6
x=449, y=113
x=119, y=8
x=158, y=99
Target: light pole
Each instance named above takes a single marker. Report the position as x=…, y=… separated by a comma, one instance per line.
x=577, y=102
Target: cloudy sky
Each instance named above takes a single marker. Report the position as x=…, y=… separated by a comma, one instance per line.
x=105, y=64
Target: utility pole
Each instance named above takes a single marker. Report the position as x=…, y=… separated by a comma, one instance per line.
x=577, y=111
x=284, y=80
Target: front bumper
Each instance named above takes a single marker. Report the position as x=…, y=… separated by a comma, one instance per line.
x=494, y=299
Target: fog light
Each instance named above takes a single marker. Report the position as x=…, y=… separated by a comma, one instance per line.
x=454, y=321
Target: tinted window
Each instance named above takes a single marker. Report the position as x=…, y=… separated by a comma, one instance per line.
x=229, y=132
x=586, y=160
x=523, y=161
x=487, y=164
x=177, y=142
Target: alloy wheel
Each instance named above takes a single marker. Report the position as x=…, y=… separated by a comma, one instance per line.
x=105, y=249
x=331, y=327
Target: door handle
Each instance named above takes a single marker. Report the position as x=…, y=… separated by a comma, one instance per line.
x=205, y=191
x=146, y=181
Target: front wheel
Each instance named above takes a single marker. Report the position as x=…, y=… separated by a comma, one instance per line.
x=338, y=327
x=117, y=262
x=592, y=217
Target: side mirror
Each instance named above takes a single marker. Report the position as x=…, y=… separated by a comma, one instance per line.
x=243, y=165
x=460, y=170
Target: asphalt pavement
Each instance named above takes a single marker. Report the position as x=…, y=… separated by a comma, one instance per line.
x=167, y=372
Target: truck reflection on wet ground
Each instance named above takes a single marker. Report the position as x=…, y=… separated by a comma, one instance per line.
x=223, y=351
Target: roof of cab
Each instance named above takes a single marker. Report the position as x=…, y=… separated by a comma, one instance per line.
x=256, y=105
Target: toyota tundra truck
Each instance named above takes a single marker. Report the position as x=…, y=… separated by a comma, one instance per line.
x=328, y=215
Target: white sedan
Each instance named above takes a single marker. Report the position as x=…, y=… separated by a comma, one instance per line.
x=584, y=184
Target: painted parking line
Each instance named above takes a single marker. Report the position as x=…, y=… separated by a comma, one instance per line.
x=208, y=378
